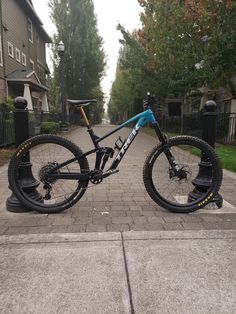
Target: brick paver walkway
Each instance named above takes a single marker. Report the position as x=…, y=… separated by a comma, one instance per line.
x=120, y=202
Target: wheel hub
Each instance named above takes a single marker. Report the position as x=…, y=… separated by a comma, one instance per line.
x=182, y=174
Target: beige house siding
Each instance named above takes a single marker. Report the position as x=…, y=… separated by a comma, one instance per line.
x=41, y=51
x=40, y=63
x=14, y=31
x=2, y=80
x=15, y=74
x=1, y=50
x=2, y=88
x=32, y=55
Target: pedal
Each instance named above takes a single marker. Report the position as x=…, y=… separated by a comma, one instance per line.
x=109, y=173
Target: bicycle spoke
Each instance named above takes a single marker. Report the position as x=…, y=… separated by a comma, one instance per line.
x=45, y=155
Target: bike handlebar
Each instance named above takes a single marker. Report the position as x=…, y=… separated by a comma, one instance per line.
x=151, y=100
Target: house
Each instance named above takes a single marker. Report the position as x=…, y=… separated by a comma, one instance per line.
x=23, y=67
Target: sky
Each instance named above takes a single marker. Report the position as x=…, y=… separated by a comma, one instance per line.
x=109, y=13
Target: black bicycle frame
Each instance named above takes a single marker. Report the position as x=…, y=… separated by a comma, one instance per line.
x=141, y=120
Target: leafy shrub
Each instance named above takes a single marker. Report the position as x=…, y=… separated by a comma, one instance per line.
x=49, y=127
x=7, y=105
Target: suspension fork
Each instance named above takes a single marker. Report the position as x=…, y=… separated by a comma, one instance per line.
x=164, y=141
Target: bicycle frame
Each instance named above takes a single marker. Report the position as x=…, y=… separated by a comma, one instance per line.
x=141, y=120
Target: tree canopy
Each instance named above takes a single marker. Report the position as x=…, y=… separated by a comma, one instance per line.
x=181, y=46
x=84, y=56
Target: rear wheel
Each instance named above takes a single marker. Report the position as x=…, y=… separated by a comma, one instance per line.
x=43, y=153
x=172, y=189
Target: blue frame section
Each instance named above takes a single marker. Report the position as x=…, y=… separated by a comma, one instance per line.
x=142, y=119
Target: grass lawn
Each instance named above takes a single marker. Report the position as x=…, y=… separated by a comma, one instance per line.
x=227, y=153
x=151, y=132
x=5, y=155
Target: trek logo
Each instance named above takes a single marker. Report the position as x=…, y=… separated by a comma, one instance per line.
x=128, y=142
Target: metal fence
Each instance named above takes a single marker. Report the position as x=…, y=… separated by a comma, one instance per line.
x=6, y=128
x=35, y=121
x=226, y=128
x=189, y=124
x=192, y=125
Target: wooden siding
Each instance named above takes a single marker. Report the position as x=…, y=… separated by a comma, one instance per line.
x=15, y=31
x=1, y=66
x=41, y=51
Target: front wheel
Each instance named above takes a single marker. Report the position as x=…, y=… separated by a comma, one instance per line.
x=173, y=188
x=40, y=154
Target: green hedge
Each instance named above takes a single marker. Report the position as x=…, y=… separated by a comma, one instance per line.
x=50, y=127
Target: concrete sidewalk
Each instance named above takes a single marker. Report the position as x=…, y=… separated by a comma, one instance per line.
x=131, y=272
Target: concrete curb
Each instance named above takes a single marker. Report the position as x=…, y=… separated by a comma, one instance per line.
x=60, y=238
x=116, y=236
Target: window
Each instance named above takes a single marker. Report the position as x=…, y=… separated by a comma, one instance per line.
x=10, y=49
x=31, y=64
x=23, y=59
x=18, y=58
x=30, y=31
x=1, y=60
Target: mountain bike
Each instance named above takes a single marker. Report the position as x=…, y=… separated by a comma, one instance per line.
x=62, y=172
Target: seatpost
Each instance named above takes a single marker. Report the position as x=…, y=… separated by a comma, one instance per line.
x=90, y=130
x=85, y=117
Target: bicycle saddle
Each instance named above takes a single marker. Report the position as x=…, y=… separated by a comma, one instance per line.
x=81, y=103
